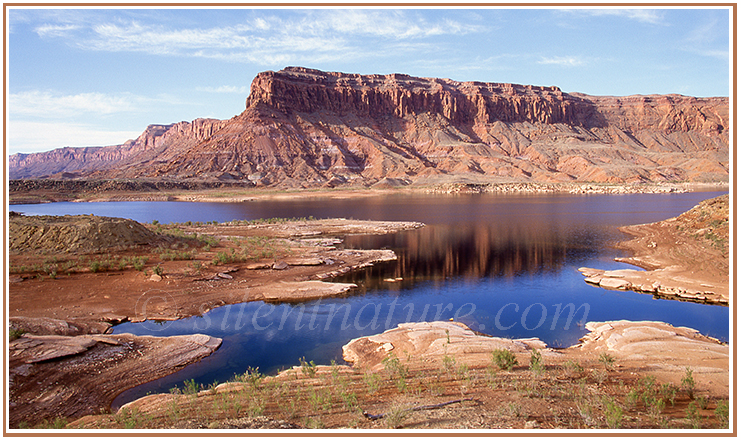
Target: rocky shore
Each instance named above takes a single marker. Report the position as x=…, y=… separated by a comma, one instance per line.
x=62, y=302
x=442, y=375
x=32, y=191
x=53, y=376
x=73, y=277
x=570, y=188
x=685, y=258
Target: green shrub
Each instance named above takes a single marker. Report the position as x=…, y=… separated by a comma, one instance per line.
x=693, y=415
x=373, y=381
x=307, y=368
x=15, y=334
x=190, y=387
x=688, y=383
x=613, y=413
x=536, y=362
x=397, y=371
x=95, y=266
x=138, y=263
x=721, y=413
x=607, y=360
x=504, y=359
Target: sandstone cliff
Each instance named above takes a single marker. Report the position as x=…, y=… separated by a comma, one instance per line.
x=307, y=128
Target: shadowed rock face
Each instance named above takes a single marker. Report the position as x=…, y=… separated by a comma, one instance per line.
x=307, y=128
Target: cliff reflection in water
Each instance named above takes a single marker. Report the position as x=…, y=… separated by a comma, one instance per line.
x=474, y=251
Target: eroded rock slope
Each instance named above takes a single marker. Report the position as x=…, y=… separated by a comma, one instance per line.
x=308, y=128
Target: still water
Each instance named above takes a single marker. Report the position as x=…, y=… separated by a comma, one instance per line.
x=506, y=265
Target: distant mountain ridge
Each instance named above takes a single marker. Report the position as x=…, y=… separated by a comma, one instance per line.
x=308, y=128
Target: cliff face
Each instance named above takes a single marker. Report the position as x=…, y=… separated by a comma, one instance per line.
x=378, y=96
x=305, y=128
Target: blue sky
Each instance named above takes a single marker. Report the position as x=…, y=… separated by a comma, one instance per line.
x=84, y=77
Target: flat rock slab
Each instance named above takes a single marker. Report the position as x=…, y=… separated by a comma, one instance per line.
x=662, y=348
x=48, y=347
x=307, y=261
x=365, y=258
x=317, y=227
x=299, y=291
x=51, y=326
x=662, y=283
x=429, y=342
x=659, y=348
x=71, y=376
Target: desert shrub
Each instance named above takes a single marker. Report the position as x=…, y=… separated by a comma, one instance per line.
x=536, y=362
x=613, y=413
x=693, y=415
x=397, y=371
x=396, y=415
x=190, y=387
x=688, y=383
x=607, y=360
x=15, y=334
x=504, y=359
x=308, y=368
x=721, y=413
x=372, y=381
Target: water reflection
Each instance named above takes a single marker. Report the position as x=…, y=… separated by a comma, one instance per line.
x=482, y=250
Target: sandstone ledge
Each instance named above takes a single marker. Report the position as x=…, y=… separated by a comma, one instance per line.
x=300, y=291
x=685, y=257
x=644, y=347
x=431, y=341
x=433, y=385
x=71, y=376
x=660, y=283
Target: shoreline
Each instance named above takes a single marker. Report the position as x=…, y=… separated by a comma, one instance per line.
x=444, y=376
x=47, y=191
x=186, y=270
x=684, y=258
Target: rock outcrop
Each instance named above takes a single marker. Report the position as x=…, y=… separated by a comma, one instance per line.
x=685, y=257
x=664, y=350
x=308, y=128
x=71, y=376
x=86, y=233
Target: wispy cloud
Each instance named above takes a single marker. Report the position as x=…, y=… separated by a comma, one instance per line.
x=563, y=61
x=707, y=39
x=37, y=136
x=54, y=30
x=225, y=89
x=267, y=39
x=650, y=16
x=50, y=104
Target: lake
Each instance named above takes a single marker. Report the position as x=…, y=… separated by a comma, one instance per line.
x=506, y=265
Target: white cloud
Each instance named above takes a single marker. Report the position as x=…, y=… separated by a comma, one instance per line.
x=650, y=16
x=706, y=39
x=35, y=136
x=266, y=40
x=225, y=89
x=50, y=104
x=563, y=61
x=51, y=30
